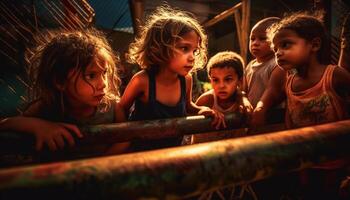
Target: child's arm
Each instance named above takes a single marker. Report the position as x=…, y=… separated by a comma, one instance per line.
x=247, y=106
x=341, y=81
x=192, y=108
x=135, y=89
x=46, y=132
x=274, y=94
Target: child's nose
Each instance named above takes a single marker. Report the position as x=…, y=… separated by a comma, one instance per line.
x=191, y=57
x=101, y=83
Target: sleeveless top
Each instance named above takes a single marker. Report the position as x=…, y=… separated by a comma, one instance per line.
x=316, y=105
x=257, y=77
x=156, y=110
x=234, y=107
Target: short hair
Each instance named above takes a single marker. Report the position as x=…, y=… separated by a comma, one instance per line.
x=226, y=59
x=266, y=22
x=156, y=41
x=307, y=26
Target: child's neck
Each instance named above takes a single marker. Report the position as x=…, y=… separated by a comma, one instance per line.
x=226, y=103
x=166, y=76
x=264, y=58
x=311, y=68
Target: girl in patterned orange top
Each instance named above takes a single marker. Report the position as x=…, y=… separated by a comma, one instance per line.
x=314, y=93
x=314, y=90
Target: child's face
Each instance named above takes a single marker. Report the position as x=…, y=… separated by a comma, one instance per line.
x=224, y=82
x=184, y=56
x=290, y=49
x=259, y=47
x=86, y=89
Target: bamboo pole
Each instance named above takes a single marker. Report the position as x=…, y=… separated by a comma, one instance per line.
x=178, y=173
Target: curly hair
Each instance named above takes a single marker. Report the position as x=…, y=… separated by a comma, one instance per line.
x=155, y=43
x=226, y=59
x=307, y=26
x=60, y=52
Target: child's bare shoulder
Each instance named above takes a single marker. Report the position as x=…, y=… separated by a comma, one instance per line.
x=206, y=99
x=140, y=78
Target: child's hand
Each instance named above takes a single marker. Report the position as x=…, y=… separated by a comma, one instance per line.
x=246, y=107
x=257, y=118
x=54, y=134
x=219, y=118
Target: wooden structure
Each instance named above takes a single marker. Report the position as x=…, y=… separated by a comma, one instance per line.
x=241, y=14
x=177, y=173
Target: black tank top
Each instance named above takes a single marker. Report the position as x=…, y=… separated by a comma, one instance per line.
x=156, y=110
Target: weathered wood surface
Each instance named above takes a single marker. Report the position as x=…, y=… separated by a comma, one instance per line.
x=18, y=148
x=127, y=131
x=177, y=173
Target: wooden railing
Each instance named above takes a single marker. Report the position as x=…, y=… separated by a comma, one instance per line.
x=177, y=173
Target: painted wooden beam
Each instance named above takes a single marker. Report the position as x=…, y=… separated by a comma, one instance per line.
x=11, y=142
x=177, y=173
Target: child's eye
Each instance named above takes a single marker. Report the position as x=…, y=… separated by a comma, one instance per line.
x=285, y=45
x=90, y=76
x=215, y=80
x=228, y=79
x=184, y=49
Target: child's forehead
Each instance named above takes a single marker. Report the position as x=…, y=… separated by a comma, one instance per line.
x=97, y=65
x=258, y=31
x=226, y=70
x=285, y=34
x=189, y=37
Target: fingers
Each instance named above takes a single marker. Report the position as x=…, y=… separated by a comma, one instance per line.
x=39, y=144
x=59, y=141
x=52, y=145
x=218, y=120
x=69, y=138
x=73, y=128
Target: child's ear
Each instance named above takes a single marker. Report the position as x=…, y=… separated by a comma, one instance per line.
x=316, y=44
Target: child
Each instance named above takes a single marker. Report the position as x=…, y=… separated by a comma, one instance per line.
x=258, y=71
x=315, y=91
x=169, y=47
x=74, y=82
x=225, y=71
